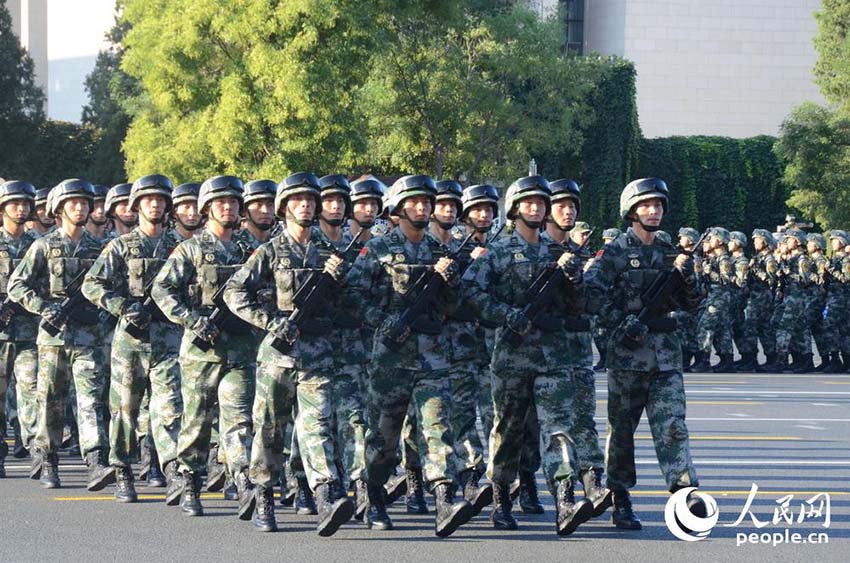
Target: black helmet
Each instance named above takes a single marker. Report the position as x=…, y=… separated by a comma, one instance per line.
x=68, y=189
x=149, y=185
x=479, y=193
x=298, y=183
x=16, y=189
x=368, y=187
x=259, y=189
x=41, y=196
x=185, y=192
x=219, y=187
x=525, y=187
x=410, y=186
x=115, y=195
x=336, y=184
x=450, y=189
x=100, y=192
x=566, y=189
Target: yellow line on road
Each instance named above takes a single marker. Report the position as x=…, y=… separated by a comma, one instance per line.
x=836, y=382
x=735, y=438
x=208, y=496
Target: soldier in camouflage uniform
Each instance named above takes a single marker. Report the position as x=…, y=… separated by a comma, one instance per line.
x=98, y=225
x=600, y=333
x=686, y=321
x=18, y=353
x=761, y=284
x=718, y=273
x=410, y=362
x=644, y=352
x=740, y=292
x=295, y=357
x=185, y=217
x=563, y=229
x=41, y=221
x=816, y=298
x=837, y=318
x=145, y=345
x=217, y=352
x=531, y=366
x=44, y=278
x=792, y=333
x=117, y=207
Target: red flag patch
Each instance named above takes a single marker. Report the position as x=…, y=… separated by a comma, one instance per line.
x=364, y=251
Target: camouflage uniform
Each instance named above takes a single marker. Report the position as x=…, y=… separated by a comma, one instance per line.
x=758, y=328
x=18, y=352
x=120, y=278
x=38, y=283
x=740, y=292
x=718, y=272
x=816, y=301
x=649, y=376
x=184, y=290
x=791, y=328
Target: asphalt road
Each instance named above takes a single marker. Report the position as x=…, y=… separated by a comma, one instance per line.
x=786, y=434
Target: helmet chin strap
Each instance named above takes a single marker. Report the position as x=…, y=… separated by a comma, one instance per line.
x=478, y=229
x=363, y=224
x=419, y=225
x=647, y=228
x=297, y=221
x=530, y=224
x=157, y=221
x=332, y=222
x=75, y=223
x=98, y=222
x=557, y=225
x=445, y=225
x=14, y=219
x=261, y=226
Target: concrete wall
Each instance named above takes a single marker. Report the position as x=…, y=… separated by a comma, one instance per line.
x=29, y=23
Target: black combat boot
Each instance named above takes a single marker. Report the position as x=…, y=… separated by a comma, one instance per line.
x=334, y=510
x=396, y=488
x=50, y=471
x=305, y=504
x=804, y=365
x=824, y=362
x=451, y=515
x=600, y=365
x=376, y=517
x=835, y=364
x=623, y=517
x=288, y=488
x=37, y=461
x=570, y=514
x=726, y=365
x=701, y=363
x=501, y=517
x=529, y=501
x=478, y=495
x=361, y=499
x=190, y=500
x=216, y=472
x=175, y=484
x=125, y=489
x=230, y=490
x=415, y=498
x=264, y=519
x=748, y=364
x=769, y=364
x=100, y=474
x=155, y=477
x=145, y=460
x=245, y=495
x=595, y=492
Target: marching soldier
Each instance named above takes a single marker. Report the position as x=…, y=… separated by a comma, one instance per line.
x=816, y=298
x=185, y=216
x=98, y=225
x=763, y=270
x=644, y=352
x=686, y=321
x=792, y=334
x=118, y=210
x=41, y=222
x=145, y=343
x=837, y=306
x=740, y=290
x=719, y=274
x=47, y=283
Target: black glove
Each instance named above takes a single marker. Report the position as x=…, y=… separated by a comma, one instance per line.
x=686, y=267
x=450, y=275
x=137, y=315
x=205, y=329
x=284, y=329
x=392, y=328
x=518, y=322
x=634, y=331
x=51, y=313
x=570, y=264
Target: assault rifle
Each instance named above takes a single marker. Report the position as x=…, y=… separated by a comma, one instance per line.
x=73, y=299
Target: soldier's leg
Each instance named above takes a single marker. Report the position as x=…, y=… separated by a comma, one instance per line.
x=350, y=420
x=26, y=372
x=235, y=399
x=296, y=463
x=53, y=382
x=7, y=356
x=313, y=424
x=143, y=422
x=166, y=406
x=627, y=397
x=432, y=397
x=199, y=388
x=485, y=400
x=89, y=382
x=553, y=400
x=129, y=374
x=390, y=393
x=410, y=458
x=512, y=392
x=272, y=410
x=665, y=410
x=584, y=433
x=468, y=447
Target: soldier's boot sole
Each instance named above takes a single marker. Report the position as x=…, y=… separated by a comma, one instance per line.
x=126, y=497
x=482, y=499
x=583, y=511
x=265, y=524
x=215, y=480
x=626, y=523
x=247, y=505
x=395, y=489
x=460, y=514
x=503, y=522
x=341, y=512
x=103, y=478
x=603, y=502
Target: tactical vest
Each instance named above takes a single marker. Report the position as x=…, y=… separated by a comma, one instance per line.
x=642, y=269
x=760, y=278
x=142, y=270
x=63, y=270
x=795, y=278
x=290, y=279
x=8, y=263
x=212, y=277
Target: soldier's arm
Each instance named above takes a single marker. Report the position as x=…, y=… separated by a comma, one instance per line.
x=365, y=286
x=169, y=290
x=105, y=283
x=477, y=284
x=27, y=277
x=240, y=291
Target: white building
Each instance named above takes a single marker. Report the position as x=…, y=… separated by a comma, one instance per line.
x=705, y=67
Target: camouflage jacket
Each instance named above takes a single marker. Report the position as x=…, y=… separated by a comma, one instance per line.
x=762, y=270
x=184, y=290
x=42, y=278
x=819, y=276
x=797, y=273
x=379, y=284
x=615, y=282
x=718, y=273
x=839, y=275
x=24, y=325
x=466, y=334
x=123, y=273
x=497, y=284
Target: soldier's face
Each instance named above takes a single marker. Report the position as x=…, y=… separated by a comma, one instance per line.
x=152, y=208
x=225, y=210
x=187, y=213
x=41, y=211
x=481, y=216
x=18, y=210
x=366, y=210
x=579, y=237
x=445, y=211
x=302, y=207
x=261, y=211
x=564, y=213
x=650, y=212
x=76, y=209
x=533, y=208
x=124, y=213
x=811, y=246
x=791, y=243
x=759, y=244
x=97, y=212
x=417, y=208
x=333, y=208
x=836, y=245
x=685, y=242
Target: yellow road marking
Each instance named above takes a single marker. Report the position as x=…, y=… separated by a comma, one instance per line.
x=735, y=438
x=208, y=496
x=836, y=382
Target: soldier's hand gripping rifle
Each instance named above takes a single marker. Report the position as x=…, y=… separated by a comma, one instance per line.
x=141, y=332
x=542, y=290
x=8, y=309
x=310, y=296
x=431, y=284
x=55, y=322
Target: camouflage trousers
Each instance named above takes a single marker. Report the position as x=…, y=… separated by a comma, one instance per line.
x=278, y=389
x=815, y=303
x=835, y=316
x=739, y=320
x=714, y=323
x=142, y=369
x=688, y=331
x=202, y=386
x=584, y=434
x=662, y=394
x=550, y=394
x=792, y=330
x=757, y=325
x=485, y=399
x=19, y=360
x=57, y=367
x=391, y=392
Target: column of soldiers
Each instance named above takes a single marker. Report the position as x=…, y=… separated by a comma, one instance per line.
x=260, y=330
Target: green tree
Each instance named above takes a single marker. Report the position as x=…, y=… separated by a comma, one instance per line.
x=19, y=96
x=832, y=70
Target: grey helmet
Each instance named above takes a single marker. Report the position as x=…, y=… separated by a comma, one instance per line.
x=410, y=186
x=689, y=233
x=766, y=235
x=259, y=189
x=479, y=193
x=66, y=190
x=611, y=233
x=115, y=195
x=298, y=183
x=337, y=184
x=219, y=187
x=642, y=190
x=368, y=187
x=16, y=190
x=185, y=192
x=738, y=237
x=818, y=239
x=152, y=184
x=566, y=189
x=526, y=187
x=839, y=235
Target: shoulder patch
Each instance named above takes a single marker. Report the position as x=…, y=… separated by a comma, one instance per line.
x=600, y=252
x=364, y=251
